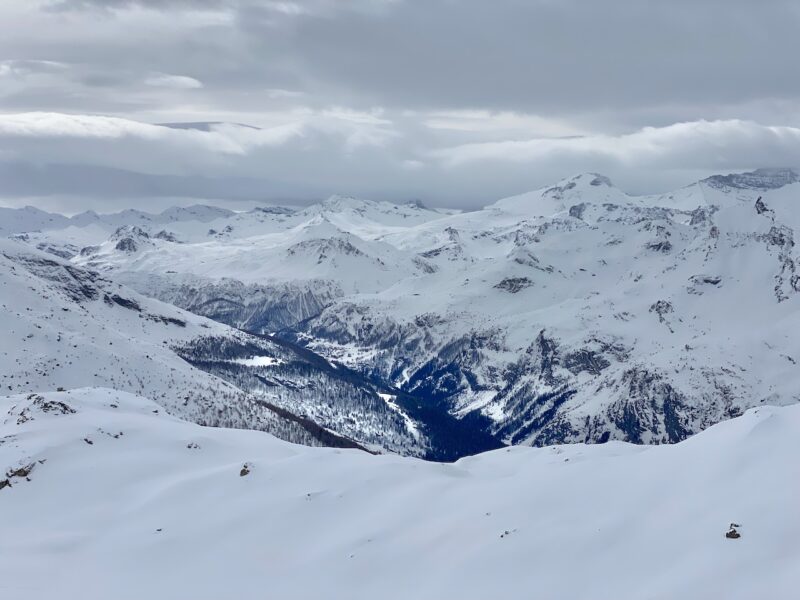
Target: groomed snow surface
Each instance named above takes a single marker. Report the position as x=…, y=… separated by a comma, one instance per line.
x=124, y=502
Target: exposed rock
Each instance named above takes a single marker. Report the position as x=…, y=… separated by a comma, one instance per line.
x=514, y=284
x=733, y=533
x=577, y=210
x=760, y=179
x=167, y=236
x=126, y=245
x=761, y=206
x=664, y=246
x=662, y=308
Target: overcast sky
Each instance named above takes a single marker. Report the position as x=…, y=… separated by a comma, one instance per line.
x=455, y=102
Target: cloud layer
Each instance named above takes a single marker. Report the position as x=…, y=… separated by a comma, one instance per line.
x=317, y=154
x=453, y=101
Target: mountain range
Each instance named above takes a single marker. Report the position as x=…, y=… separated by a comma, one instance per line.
x=573, y=313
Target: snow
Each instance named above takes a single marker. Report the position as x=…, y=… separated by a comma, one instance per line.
x=411, y=426
x=259, y=361
x=156, y=508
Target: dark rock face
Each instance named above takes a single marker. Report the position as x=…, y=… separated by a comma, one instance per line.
x=701, y=283
x=577, y=210
x=167, y=236
x=126, y=245
x=662, y=308
x=707, y=279
x=733, y=533
x=129, y=239
x=533, y=390
x=66, y=252
x=585, y=361
x=252, y=307
x=663, y=246
x=77, y=284
x=653, y=406
x=513, y=285
x=540, y=417
x=123, y=302
x=452, y=369
x=600, y=180
x=760, y=179
x=274, y=210
x=781, y=238
x=540, y=384
x=417, y=204
x=702, y=215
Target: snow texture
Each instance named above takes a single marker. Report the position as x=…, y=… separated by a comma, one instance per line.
x=105, y=496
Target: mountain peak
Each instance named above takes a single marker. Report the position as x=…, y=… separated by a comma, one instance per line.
x=129, y=231
x=319, y=227
x=760, y=179
x=337, y=202
x=583, y=187
x=585, y=179
x=416, y=203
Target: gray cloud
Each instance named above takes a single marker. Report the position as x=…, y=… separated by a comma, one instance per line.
x=548, y=57
x=456, y=101
x=362, y=154
x=68, y=5
x=540, y=56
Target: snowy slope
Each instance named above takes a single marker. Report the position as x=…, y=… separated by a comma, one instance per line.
x=29, y=218
x=65, y=327
x=104, y=497
x=575, y=312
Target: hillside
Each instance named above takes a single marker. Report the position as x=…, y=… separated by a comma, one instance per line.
x=109, y=497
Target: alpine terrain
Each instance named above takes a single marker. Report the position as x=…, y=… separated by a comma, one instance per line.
x=338, y=400
x=574, y=313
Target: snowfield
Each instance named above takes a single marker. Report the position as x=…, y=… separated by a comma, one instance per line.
x=107, y=497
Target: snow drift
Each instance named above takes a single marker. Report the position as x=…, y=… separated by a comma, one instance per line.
x=105, y=496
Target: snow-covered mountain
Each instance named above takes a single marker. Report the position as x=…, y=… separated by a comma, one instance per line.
x=104, y=496
x=65, y=327
x=32, y=219
x=29, y=218
x=570, y=313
